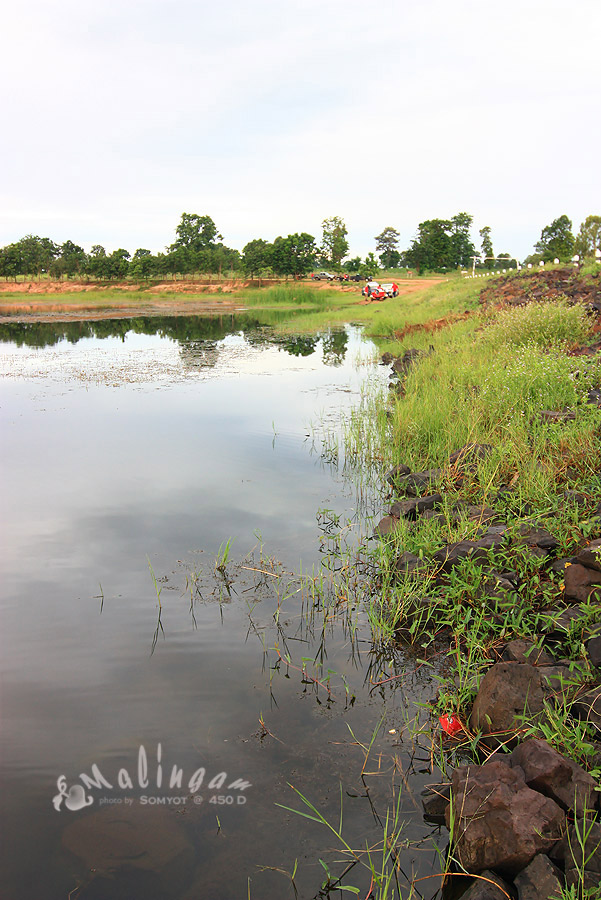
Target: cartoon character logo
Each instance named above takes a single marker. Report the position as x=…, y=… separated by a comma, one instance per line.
x=75, y=798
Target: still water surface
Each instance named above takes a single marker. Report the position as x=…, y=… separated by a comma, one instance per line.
x=130, y=456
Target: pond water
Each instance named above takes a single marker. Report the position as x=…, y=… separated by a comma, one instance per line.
x=165, y=675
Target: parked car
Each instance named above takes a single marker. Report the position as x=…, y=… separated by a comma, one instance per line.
x=322, y=276
x=391, y=288
x=373, y=290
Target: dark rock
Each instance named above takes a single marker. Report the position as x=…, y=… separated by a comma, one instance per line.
x=537, y=537
x=593, y=649
x=560, y=415
x=499, y=822
x=404, y=509
x=414, y=483
x=588, y=707
x=594, y=397
x=449, y=556
x=427, y=503
x=541, y=880
x=387, y=525
x=435, y=800
x=547, y=771
x=559, y=680
x=488, y=886
x=559, y=565
x=578, y=858
x=565, y=618
x=409, y=564
x=575, y=498
x=510, y=694
x=590, y=556
x=393, y=476
x=525, y=651
x=581, y=583
x=470, y=453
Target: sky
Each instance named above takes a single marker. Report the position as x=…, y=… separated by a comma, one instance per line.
x=271, y=116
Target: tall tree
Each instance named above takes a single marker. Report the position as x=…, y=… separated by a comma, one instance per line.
x=294, y=255
x=431, y=248
x=588, y=238
x=334, y=245
x=257, y=256
x=387, y=246
x=487, y=250
x=462, y=246
x=195, y=233
x=556, y=240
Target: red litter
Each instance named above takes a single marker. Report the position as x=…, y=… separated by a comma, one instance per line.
x=450, y=724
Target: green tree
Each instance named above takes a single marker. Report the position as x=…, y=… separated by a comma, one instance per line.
x=195, y=233
x=370, y=266
x=588, y=238
x=487, y=250
x=294, y=255
x=462, y=247
x=256, y=257
x=118, y=263
x=334, y=245
x=71, y=261
x=143, y=264
x=352, y=265
x=556, y=240
x=98, y=266
x=431, y=248
x=387, y=246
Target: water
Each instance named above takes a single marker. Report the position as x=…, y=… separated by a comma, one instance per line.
x=133, y=455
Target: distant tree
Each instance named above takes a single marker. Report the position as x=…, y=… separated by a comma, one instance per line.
x=462, y=247
x=256, y=257
x=370, y=266
x=11, y=261
x=588, y=238
x=195, y=233
x=36, y=253
x=556, y=240
x=98, y=266
x=118, y=264
x=441, y=244
x=352, y=265
x=334, y=245
x=487, y=250
x=294, y=255
x=387, y=246
x=71, y=261
x=143, y=264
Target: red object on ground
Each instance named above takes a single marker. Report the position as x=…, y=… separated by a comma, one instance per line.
x=450, y=724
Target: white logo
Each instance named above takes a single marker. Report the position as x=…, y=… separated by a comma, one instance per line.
x=75, y=798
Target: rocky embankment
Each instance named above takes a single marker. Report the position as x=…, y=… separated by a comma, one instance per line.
x=523, y=817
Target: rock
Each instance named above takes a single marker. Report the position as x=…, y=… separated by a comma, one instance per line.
x=588, y=706
x=585, y=858
x=594, y=397
x=386, y=359
x=488, y=886
x=547, y=771
x=575, y=498
x=435, y=800
x=499, y=822
x=541, y=880
x=525, y=651
x=427, y=503
x=404, y=509
x=511, y=694
x=560, y=415
x=449, y=556
x=415, y=482
x=397, y=472
x=581, y=583
x=559, y=565
x=566, y=617
x=139, y=851
x=593, y=649
x=590, y=556
x=409, y=564
x=537, y=537
x=558, y=680
x=387, y=525
x=470, y=453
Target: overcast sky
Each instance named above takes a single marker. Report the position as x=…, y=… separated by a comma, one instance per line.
x=270, y=116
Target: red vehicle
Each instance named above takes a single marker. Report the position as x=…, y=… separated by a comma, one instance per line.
x=374, y=291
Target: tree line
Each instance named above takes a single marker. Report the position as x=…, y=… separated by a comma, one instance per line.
x=439, y=245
